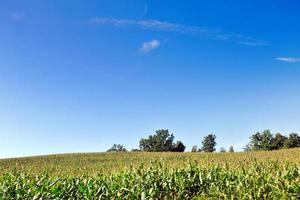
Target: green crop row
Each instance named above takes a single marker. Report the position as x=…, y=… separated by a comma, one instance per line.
x=259, y=180
x=91, y=164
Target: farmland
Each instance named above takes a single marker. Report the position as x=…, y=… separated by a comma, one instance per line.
x=91, y=164
x=136, y=175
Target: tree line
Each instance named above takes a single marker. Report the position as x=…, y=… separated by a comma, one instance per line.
x=266, y=141
x=163, y=141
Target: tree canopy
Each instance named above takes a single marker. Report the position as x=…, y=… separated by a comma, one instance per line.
x=209, y=143
x=278, y=141
x=117, y=148
x=261, y=141
x=292, y=141
x=267, y=141
x=162, y=140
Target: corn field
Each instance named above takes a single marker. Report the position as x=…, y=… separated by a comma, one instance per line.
x=254, y=175
x=256, y=180
x=92, y=164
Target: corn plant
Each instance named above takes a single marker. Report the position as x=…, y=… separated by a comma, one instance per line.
x=249, y=180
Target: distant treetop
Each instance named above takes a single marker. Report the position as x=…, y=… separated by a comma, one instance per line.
x=161, y=141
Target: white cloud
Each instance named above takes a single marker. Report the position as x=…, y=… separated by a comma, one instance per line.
x=182, y=29
x=288, y=59
x=149, y=46
x=17, y=16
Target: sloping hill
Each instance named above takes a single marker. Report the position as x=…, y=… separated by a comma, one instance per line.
x=105, y=163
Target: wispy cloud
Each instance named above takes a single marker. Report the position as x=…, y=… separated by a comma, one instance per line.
x=182, y=29
x=288, y=59
x=149, y=46
x=16, y=16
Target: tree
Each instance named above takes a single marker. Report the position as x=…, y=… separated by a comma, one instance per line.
x=162, y=140
x=178, y=147
x=292, y=141
x=195, y=148
x=231, y=150
x=261, y=141
x=209, y=143
x=222, y=150
x=278, y=141
x=266, y=141
x=247, y=148
x=117, y=148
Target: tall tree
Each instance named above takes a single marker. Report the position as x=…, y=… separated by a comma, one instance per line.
x=209, y=143
x=195, y=148
x=178, y=147
x=278, y=141
x=162, y=140
x=231, y=150
x=261, y=141
x=292, y=141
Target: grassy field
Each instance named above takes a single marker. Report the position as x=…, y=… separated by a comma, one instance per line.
x=140, y=175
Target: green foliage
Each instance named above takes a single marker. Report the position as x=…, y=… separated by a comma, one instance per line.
x=231, y=150
x=253, y=180
x=209, y=143
x=160, y=142
x=261, y=141
x=178, y=147
x=292, y=141
x=91, y=164
x=278, y=141
x=134, y=175
x=117, y=148
x=266, y=141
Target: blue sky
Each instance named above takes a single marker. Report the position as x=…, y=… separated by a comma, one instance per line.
x=78, y=76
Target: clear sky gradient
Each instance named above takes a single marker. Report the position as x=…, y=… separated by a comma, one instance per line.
x=78, y=76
